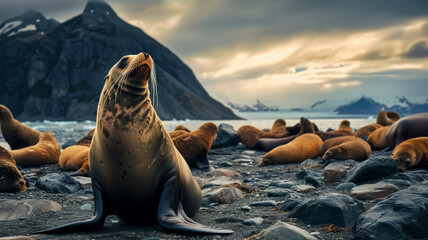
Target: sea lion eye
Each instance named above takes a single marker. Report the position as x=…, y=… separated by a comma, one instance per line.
x=105, y=79
x=123, y=62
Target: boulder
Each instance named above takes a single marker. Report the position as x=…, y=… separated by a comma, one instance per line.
x=226, y=136
x=222, y=195
x=336, y=171
x=58, y=183
x=280, y=229
x=373, y=191
x=373, y=168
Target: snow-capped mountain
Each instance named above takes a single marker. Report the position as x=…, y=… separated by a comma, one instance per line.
x=258, y=107
x=29, y=23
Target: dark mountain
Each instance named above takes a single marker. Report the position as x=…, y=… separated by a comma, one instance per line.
x=366, y=105
x=56, y=71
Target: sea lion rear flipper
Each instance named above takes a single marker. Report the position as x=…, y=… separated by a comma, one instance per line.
x=96, y=222
x=171, y=215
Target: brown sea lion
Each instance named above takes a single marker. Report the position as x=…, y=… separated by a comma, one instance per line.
x=181, y=127
x=293, y=130
x=11, y=179
x=46, y=151
x=304, y=147
x=329, y=143
x=411, y=152
x=14, y=132
x=387, y=118
x=355, y=148
x=75, y=157
x=137, y=173
x=377, y=139
x=177, y=133
x=194, y=146
x=343, y=130
x=366, y=130
x=412, y=126
x=249, y=135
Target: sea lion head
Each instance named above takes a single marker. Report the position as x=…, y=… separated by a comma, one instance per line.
x=394, y=116
x=11, y=180
x=345, y=123
x=336, y=152
x=5, y=113
x=306, y=126
x=210, y=128
x=405, y=159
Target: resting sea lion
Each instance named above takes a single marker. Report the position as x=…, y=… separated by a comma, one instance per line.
x=46, y=151
x=181, y=127
x=412, y=126
x=14, y=132
x=377, y=139
x=343, y=130
x=194, y=146
x=411, y=152
x=137, y=173
x=293, y=130
x=367, y=130
x=249, y=135
x=11, y=179
x=177, y=133
x=303, y=147
x=75, y=157
x=329, y=143
x=387, y=118
x=355, y=148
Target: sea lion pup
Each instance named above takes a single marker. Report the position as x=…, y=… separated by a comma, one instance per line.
x=303, y=147
x=75, y=157
x=411, y=152
x=377, y=139
x=249, y=135
x=16, y=134
x=46, y=151
x=415, y=125
x=136, y=171
x=267, y=144
x=11, y=179
x=181, y=127
x=365, y=131
x=387, y=118
x=194, y=146
x=351, y=148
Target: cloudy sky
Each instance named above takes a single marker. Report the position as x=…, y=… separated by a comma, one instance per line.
x=285, y=53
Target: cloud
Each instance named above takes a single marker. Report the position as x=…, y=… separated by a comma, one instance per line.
x=418, y=50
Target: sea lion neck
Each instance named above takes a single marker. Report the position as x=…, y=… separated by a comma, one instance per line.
x=5, y=114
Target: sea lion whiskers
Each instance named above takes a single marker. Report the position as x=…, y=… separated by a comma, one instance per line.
x=154, y=85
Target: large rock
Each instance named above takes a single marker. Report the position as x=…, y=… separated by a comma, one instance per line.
x=373, y=191
x=330, y=208
x=23, y=209
x=226, y=136
x=373, y=168
x=62, y=66
x=58, y=183
x=222, y=195
x=291, y=201
x=336, y=171
x=281, y=230
x=412, y=175
x=402, y=215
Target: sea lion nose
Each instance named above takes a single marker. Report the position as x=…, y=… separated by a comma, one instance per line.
x=146, y=55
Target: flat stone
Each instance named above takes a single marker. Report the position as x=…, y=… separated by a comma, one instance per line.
x=242, y=160
x=402, y=215
x=248, y=152
x=277, y=192
x=270, y=203
x=220, y=172
x=309, y=163
x=83, y=180
x=373, y=191
x=345, y=186
x=371, y=169
x=282, y=230
x=17, y=238
x=304, y=188
x=24, y=209
x=222, y=195
x=86, y=206
x=291, y=201
x=253, y=221
x=336, y=171
x=58, y=183
x=283, y=184
x=246, y=208
x=219, y=181
x=330, y=208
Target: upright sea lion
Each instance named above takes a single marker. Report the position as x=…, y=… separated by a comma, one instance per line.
x=76, y=157
x=181, y=127
x=377, y=139
x=194, y=146
x=14, y=132
x=136, y=170
x=412, y=126
x=353, y=148
x=411, y=152
x=46, y=151
x=387, y=118
x=293, y=130
x=303, y=147
x=365, y=131
x=11, y=179
x=249, y=135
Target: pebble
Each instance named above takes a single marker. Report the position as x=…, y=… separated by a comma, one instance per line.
x=219, y=181
x=270, y=203
x=345, y=186
x=253, y=221
x=373, y=191
x=304, y=188
x=283, y=184
x=85, y=181
x=248, y=152
x=312, y=181
x=336, y=171
x=246, y=208
x=23, y=209
x=242, y=160
x=282, y=230
x=86, y=206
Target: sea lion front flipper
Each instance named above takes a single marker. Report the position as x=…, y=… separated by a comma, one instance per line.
x=171, y=215
x=96, y=222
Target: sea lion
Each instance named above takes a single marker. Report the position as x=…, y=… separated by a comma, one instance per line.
x=194, y=146
x=249, y=135
x=76, y=157
x=177, y=133
x=136, y=171
x=353, y=148
x=411, y=152
x=16, y=133
x=303, y=147
x=46, y=151
x=293, y=130
x=343, y=130
x=366, y=130
x=181, y=127
x=387, y=118
x=412, y=126
x=329, y=143
x=377, y=139
x=11, y=179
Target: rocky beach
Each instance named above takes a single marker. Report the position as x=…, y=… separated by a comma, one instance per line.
x=308, y=200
